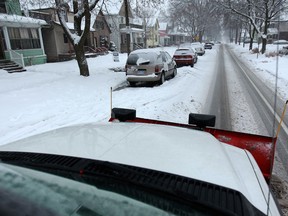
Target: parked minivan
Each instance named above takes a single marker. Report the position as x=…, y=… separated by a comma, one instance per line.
x=149, y=65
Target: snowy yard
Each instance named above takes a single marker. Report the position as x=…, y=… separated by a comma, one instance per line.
x=53, y=95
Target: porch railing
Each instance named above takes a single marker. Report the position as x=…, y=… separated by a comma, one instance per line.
x=17, y=58
x=137, y=46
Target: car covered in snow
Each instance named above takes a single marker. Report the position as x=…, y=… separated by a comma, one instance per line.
x=149, y=65
x=199, y=48
x=208, y=45
x=136, y=166
x=184, y=56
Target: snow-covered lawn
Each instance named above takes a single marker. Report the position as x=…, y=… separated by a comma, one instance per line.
x=53, y=95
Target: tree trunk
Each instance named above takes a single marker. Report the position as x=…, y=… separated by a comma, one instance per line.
x=264, y=43
x=251, y=39
x=81, y=60
x=200, y=36
x=264, y=39
x=127, y=26
x=265, y=30
x=236, y=35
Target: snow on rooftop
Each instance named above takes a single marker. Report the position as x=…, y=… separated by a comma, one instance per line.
x=20, y=20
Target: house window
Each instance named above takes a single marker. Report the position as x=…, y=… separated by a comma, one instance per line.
x=24, y=38
x=3, y=6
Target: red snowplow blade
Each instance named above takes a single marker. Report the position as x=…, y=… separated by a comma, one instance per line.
x=261, y=147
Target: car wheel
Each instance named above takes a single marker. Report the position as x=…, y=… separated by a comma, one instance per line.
x=192, y=65
x=132, y=84
x=174, y=72
x=162, y=78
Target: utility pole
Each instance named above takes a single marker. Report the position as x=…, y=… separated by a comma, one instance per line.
x=127, y=26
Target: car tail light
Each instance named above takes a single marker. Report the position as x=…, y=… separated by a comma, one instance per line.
x=157, y=68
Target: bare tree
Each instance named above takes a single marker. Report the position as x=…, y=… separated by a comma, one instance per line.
x=142, y=8
x=194, y=17
x=82, y=12
x=260, y=13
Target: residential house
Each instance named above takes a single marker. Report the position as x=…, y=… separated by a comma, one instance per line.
x=278, y=29
x=56, y=43
x=101, y=36
x=164, y=39
x=177, y=36
x=115, y=15
x=283, y=30
x=152, y=32
x=20, y=36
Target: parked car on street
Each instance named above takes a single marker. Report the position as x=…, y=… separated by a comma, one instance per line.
x=149, y=65
x=185, y=56
x=208, y=46
x=199, y=48
x=136, y=166
x=189, y=45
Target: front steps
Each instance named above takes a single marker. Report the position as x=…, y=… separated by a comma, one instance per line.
x=10, y=67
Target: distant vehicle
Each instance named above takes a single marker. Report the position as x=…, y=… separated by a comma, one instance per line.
x=149, y=65
x=185, y=56
x=207, y=46
x=137, y=166
x=199, y=48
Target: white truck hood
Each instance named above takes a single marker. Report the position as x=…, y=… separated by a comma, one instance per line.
x=181, y=151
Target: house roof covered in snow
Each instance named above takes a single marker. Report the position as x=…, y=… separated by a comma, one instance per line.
x=20, y=21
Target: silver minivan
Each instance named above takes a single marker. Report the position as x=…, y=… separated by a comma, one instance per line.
x=149, y=65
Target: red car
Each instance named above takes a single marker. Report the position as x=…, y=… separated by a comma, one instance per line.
x=184, y=56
